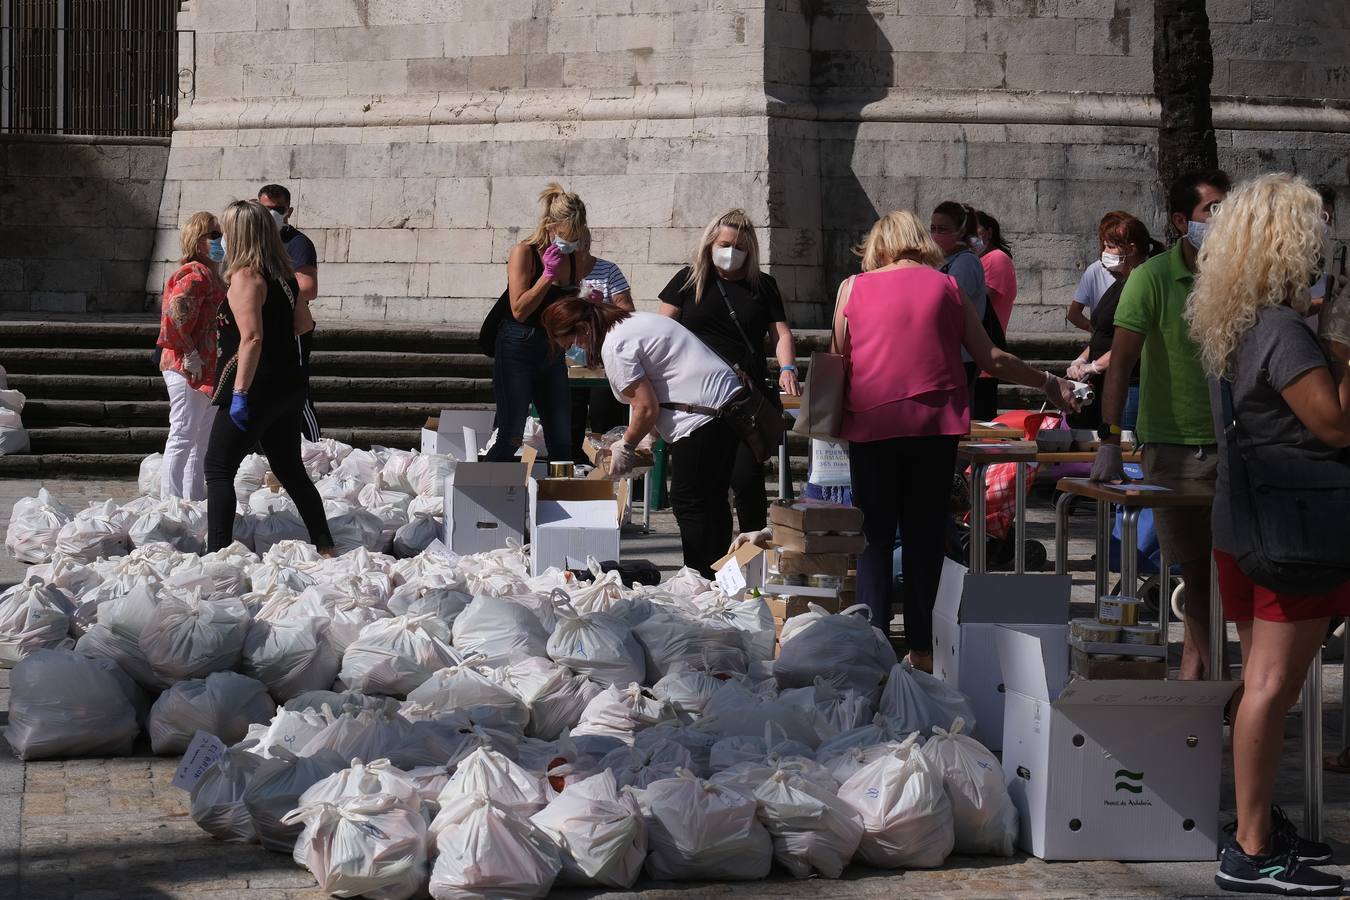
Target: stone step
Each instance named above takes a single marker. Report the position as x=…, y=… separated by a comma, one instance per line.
x=76, y=439
x=445, y=391
x=71, y=465
x=50, y=413
x=95, y=334
x=105, y=361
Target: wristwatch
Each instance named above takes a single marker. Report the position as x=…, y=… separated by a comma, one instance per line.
x=1107, y=430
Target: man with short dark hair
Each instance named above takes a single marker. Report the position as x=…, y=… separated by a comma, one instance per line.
x=1175, y=426
x=305, y=261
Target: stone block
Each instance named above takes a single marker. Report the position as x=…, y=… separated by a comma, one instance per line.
x=466, y=280
x=225, y=15
x=269, y=80
x=544, y=159
x=273, y=15
x=700, y=198
x=123, y=275
x=496, y=73
x=935, y=7
x=487, y=38
x=601, y=70
x=1129, y=161
x=87, y=160
x=320, y=80
x=347, y=279
x=1267, y=78
x=928, y=158
x=218, y=82
x=852, y=157
x=336, y=202
x=58, y=302
x=378, y=78
x=1121, y=36
x=440, y=245
x=1003, y=160
x=1332, y=82
x=635, y=32
x=934, y=70
x=318, y=161
x=1060, y=72
x=704, y=30
x=368, y=161
x=403, y=202
x=1015, y=35
x=415, y=309
x=328, y=14
x=64, y=275
x=265, y=165
x=464, y=202
x=378, y=43
x=406, y=12
x=1087, y=9
x=134, y=244
x=1020, y=8
x=1276, y=42
x=380, y=245
x=571, y=36
x=436, y=75
x=544, y=70
x=501, y=9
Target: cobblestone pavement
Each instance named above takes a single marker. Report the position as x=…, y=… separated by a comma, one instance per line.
x=95, y=829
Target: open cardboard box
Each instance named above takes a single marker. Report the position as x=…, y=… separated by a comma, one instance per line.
x=753, y=560
x=968, y=610
x=572, y=518
x=600, y=457
x=445, y=434
x=816, y=516
x=1109, y=770
x=485, y=506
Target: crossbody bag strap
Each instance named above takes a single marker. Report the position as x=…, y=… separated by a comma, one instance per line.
x=841, y=301
x=692, y=408
x=735, y=320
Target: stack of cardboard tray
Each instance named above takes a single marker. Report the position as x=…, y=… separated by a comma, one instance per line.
x=812, y=561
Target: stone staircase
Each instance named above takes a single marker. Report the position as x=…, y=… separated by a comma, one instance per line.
x=97, y=406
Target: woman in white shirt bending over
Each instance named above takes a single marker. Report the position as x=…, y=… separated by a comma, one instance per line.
x=653, y=361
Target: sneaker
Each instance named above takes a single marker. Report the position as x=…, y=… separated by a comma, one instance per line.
x=1278, y=872
x=1287, y=835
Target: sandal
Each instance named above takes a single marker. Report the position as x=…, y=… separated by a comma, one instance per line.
x=1339, y=763
x=921, y=661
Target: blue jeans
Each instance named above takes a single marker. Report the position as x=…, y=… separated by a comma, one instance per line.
x=1130, y=417
x=528, y=370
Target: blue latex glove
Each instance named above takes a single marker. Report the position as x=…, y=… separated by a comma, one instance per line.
x=239, y=411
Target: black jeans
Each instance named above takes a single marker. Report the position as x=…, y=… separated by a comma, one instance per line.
x=702, y=464
x=309, y=419
x=747, y=485
x=528, y=370
x=276, y=426
x=903, y=482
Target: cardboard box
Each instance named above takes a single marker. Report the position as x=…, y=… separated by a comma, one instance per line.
x=816, y=516
x=1084, y=666
x=572, y=518
x=485, y=505
x=791, y=539
x=445, y=433
x=786, y=606
x=968, y=610
x=794, y=562
x=1110, y=770
x=753, y=561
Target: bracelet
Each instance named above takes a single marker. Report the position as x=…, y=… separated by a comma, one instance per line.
x=788, y=368
x=239, y=393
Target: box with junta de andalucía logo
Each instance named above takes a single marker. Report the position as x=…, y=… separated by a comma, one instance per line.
x=1110, y=770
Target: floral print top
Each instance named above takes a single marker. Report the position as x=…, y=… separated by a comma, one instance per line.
x=192, y=297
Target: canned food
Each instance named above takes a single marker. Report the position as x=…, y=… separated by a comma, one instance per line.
x=1143, y=659
x=1139, y=634
x=1094, y=632
x=1105, y=657
x=831, y=582
x=795, y=581
x=561, y=470
x=1114, y=610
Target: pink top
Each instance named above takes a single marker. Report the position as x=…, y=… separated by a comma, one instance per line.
x=905, y=375
x=1001, y=280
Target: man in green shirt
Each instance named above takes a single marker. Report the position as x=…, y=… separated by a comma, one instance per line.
x=1174, y=426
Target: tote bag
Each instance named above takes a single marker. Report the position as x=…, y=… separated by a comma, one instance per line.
x=822, y=412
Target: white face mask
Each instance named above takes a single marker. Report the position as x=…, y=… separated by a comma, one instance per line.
x=278, y=216
x=1112, y=261
x=1195, y=232
x=565, y=246
x=977, y=244
x=728, y=259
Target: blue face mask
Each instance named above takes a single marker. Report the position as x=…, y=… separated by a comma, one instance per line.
x=216, y=250
x=1195, y=232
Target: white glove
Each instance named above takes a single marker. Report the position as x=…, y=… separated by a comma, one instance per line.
x=1060, y=393
x=758, y=538
x=622, y=456
x=1076, y=370
x=192, y=365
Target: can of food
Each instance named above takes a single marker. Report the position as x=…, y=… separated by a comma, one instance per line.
x=561, y=470
x=1105, y=657
x=831, y=582
x=795, y=581
x=1092, y=631
x=1139, y=634
x=1113, y=610
x=1143, y=659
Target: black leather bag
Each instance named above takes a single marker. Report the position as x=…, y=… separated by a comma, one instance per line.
x=1287, y=509
x=756, y=421
x=501, y=312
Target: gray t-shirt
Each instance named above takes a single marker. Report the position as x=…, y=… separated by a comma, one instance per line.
x=1094, y=283
x=966, y=268
x=1270, y=356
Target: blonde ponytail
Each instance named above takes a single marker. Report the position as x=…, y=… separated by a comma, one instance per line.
x=562, y=210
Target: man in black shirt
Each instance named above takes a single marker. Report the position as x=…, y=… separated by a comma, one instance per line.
x=305, y=261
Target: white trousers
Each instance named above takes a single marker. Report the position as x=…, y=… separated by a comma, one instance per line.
x=191, y=415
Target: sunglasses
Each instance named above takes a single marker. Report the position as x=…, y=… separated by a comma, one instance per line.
x=215, y=235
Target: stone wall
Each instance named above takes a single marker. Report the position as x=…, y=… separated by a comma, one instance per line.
x=77, y=221
x=416, y=134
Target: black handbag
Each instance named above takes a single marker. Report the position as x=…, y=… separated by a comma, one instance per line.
x=1287, y=510
x=756, y=421
x=501, y=312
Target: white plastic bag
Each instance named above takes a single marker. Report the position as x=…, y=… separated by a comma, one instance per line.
x=485, y=771
x=813, y=830
x=276, y=788
x=394, y=656
x=686, y=583
x=92, y=535
x=224, y=704
x=189, y=637
x=502, y=630
x=833, y=711
x=366, y=733
x=290, y=656
x=368, y=846
x=290, y=729
x=416, y=599
x=34, y=525
x=906, y=816
x=553, y=695
x=13, y=437
x=671, y=638
x=351, y=528
x=424, y=526
x=597, y=646
x=916, y=701
x=982, y=810
x=701, y=831
x=117, y=629
x=33, y=616
x=752, y=618
x=688, y=690
x=600, y=831
x=363, y=780
x=844, y=649
x=426, y=474
x=65, y=704
x=641, y=766
x=621, y=712
x=217, y=800
x=487, y=852
x=346, y=614
x=252, y=472
x=179, y=523
x=462, y=690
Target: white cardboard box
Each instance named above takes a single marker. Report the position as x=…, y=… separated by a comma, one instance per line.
x=572, y=518
x=445, y=434
x=968, y=610
x=1110, y=770
x=754, y=563
x=485, y=505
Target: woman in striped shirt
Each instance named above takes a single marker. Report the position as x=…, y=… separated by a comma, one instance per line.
x=597, y=279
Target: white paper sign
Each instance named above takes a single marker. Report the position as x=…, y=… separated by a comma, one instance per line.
x=437, y=546
x=201, y=754
x=829, y=464
x=731, y=579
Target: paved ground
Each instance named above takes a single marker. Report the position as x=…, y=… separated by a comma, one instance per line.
x=116, y=829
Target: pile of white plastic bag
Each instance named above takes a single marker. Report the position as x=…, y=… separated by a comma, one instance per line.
x=455, y=725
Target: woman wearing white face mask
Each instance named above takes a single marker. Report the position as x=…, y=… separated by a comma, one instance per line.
x=187, y=343
x=1125, y=244
x=724, y=299
x=526, y=370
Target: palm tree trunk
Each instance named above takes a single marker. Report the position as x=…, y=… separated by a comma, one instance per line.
x=1183, y=64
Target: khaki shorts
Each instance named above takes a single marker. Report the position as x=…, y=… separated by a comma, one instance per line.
x=1184, y=534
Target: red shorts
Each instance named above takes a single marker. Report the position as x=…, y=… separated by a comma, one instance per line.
x=1244, y=599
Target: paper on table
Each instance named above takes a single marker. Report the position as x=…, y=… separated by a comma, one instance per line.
x=201, y=755
x=1131, y=486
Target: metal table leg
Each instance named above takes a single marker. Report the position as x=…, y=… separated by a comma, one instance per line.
x=1062, y=504
x=1164, y=599
x=1218, y=628
x=1345, y=707
x=647, y=501
x=1020, y=520
x=1129, y=554
x=977, y=536
x=1312, y=752
x=1103, y=548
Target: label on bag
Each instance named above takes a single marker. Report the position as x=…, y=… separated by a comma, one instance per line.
x=201, y=755
x=731, y=579
x=829, y=464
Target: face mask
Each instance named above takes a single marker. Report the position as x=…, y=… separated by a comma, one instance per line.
x=1195, y=232
x=565, y=246
x=1111, y=261
x=223, y=248
x=728, y=259
x=977, y=244
x=278, y=216
x=216, y=250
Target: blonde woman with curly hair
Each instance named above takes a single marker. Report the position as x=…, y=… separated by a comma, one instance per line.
x=1261, y=255
x=902, y=326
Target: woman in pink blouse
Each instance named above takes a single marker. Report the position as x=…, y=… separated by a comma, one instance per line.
x=1000, y=281
x=901, y=326
x=187, y=342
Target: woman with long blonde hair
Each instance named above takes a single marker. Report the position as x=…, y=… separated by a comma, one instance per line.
x=260, y=388
x=526, y=369
x=902, y=326
x=1262, y=253
x=724, y=299
x=187, y=343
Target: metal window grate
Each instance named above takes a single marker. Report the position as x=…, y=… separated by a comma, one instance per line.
x=99, y=67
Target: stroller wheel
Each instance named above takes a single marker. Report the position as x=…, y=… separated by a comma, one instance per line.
x=1148, y=593
x=1179, y=600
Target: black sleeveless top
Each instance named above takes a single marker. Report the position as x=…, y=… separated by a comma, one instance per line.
x=554, y=293
x=279, y=371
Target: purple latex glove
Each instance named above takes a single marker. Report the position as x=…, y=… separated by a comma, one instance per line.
x=553, y=260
